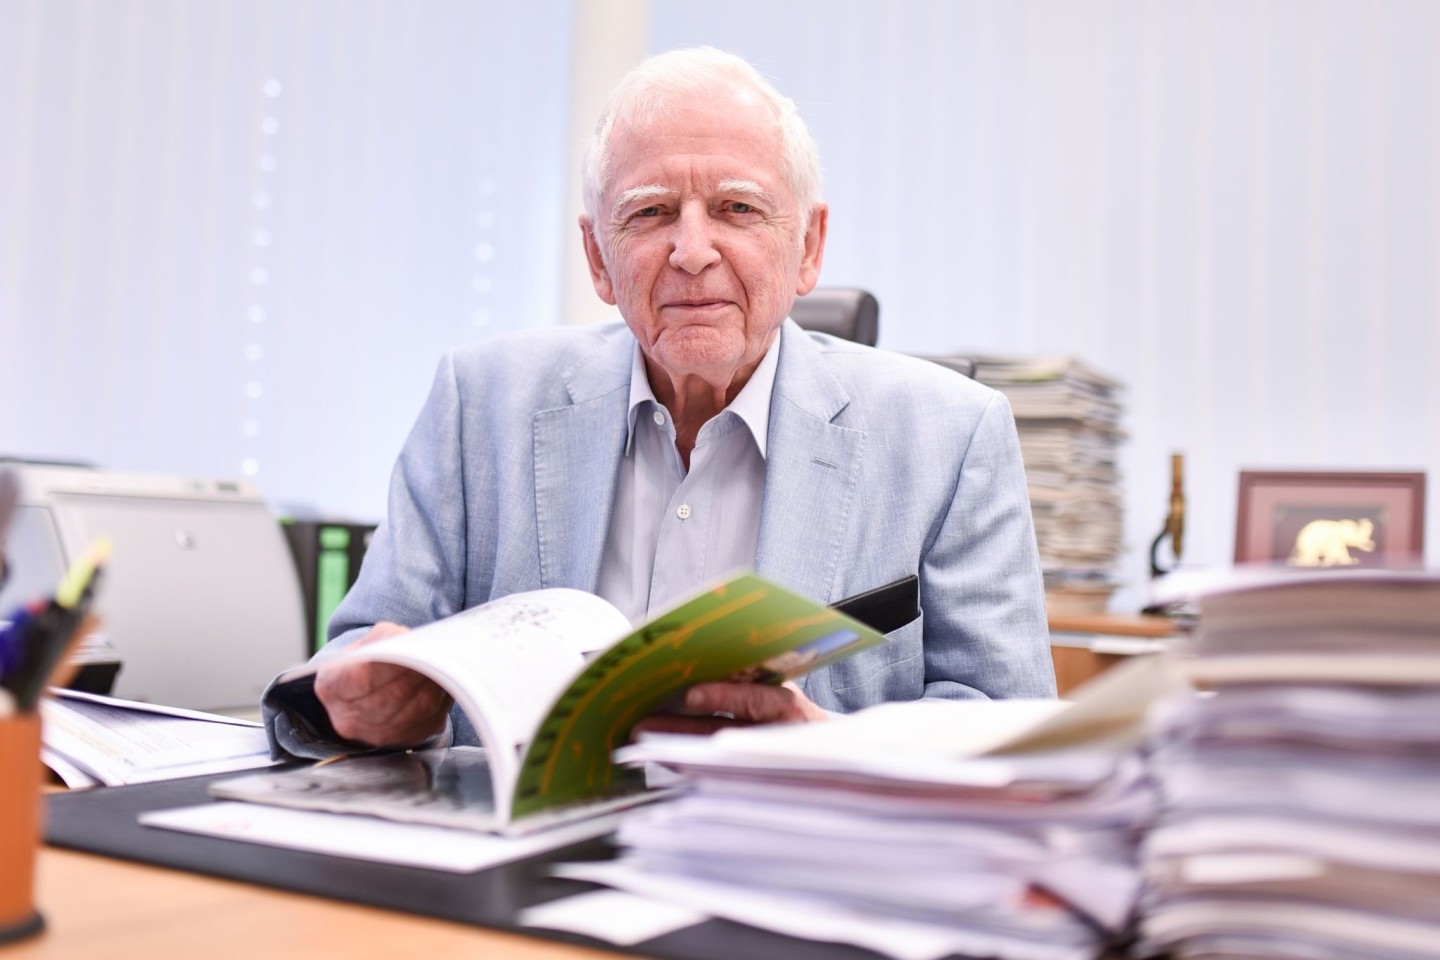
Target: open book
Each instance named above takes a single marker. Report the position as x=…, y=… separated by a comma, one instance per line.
x=547, y=717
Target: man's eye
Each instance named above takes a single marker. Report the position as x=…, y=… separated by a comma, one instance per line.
x=738, y=207
x=648, y=212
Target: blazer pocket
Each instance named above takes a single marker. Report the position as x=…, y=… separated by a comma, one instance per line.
x=894, y=670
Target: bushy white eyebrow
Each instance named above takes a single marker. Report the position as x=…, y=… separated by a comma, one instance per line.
x=650, y=191
x=744, y=188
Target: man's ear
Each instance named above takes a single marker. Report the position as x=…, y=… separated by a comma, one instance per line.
x=813, y=253
x=599, y=273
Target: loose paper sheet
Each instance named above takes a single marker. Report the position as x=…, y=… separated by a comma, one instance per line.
x=366, y=838
x=611, y=915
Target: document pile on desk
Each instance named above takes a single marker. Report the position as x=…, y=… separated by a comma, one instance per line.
x=919, y=830
x=92, y=740
x=1300, y=799
x=1068, y=418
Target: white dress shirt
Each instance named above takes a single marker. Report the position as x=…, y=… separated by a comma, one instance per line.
x=673, y=532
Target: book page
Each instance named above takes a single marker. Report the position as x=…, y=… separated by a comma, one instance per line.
x=444, y=787
x=503, y=662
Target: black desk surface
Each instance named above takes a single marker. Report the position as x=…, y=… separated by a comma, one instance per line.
x=104, y=821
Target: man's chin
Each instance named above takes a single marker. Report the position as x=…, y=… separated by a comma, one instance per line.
x=698, y=346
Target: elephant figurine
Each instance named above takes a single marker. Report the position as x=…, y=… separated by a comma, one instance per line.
x=1327, y=543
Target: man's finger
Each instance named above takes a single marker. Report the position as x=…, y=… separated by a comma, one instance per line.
x=754, y=702
x=392, y=723
x=380, y=704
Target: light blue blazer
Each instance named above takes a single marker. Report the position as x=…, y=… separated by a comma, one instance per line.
x=878, y=466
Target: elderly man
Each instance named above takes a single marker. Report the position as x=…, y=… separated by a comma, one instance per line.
x=707, y=433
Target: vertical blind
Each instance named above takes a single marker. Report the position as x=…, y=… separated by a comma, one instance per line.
x=237, y=235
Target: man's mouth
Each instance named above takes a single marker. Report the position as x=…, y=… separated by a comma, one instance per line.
x=697, y=303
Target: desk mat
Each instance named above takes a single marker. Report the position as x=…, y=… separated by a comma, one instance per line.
x=104, y=821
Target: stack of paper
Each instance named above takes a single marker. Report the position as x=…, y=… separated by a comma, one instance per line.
x=1068, y=418
x=1300, y=797
x=923, y=829
x=91, y=740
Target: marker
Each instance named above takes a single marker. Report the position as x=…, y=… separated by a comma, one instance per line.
x=79, y=582
x=50, y=631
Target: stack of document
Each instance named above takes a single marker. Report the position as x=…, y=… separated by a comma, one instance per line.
x=920, y=830
x=1068, y=419
x=92, y=740
x=1300, y=796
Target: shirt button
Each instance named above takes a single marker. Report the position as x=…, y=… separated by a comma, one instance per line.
x=683, y=511
x=659, y=419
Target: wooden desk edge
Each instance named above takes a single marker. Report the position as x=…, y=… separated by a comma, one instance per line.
x=1115, y=625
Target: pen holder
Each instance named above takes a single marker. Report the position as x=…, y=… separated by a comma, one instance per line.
x=19, y=825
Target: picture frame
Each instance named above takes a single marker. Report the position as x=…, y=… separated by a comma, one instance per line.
x=1331, y=519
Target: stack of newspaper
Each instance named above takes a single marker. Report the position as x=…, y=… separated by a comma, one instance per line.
x=1300, y=798
x=919, y=830
x=1068, y=418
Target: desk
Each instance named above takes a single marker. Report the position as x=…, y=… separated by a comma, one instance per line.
x=1084, y=645
x=98, y=907
x=101, y=907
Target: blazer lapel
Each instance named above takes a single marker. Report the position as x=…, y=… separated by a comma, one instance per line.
x=812, y=471
x=577, y=456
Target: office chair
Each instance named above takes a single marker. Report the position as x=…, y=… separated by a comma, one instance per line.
x=845, y=312
x=960, y=364
x=854, y=314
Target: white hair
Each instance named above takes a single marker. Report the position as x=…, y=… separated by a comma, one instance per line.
x=645, y=95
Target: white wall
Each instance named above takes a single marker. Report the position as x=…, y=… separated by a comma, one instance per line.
x=237, y=235
x=1231, y=206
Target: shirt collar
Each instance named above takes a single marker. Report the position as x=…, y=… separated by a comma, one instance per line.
x=751, y=404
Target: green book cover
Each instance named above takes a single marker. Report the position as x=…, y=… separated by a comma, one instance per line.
x=743, y=629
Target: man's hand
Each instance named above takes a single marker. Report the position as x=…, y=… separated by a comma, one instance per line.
x=711, y=706
x=380, y=704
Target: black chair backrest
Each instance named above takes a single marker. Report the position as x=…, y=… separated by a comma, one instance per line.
x=963, y=365
x=845, y=312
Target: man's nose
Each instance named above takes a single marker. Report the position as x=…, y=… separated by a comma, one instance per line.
x=693, y=243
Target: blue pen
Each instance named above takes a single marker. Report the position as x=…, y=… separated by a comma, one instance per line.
x=12, y=641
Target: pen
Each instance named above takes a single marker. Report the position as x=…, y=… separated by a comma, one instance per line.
x=12, y=639
x=46, y=638
x=50, y=630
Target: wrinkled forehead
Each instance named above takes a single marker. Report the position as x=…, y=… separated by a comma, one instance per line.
x=732, y=135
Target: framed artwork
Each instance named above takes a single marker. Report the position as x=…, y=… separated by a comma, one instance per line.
x=1330, y=519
